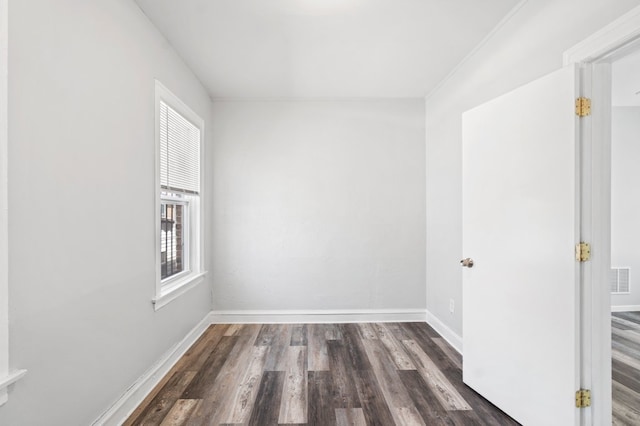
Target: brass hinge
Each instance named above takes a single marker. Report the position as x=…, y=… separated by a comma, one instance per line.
x=583, y=398
x=583, y=107
x=583, y=252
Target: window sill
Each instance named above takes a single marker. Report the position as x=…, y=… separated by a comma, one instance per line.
x=177, y=289
x=7, y=381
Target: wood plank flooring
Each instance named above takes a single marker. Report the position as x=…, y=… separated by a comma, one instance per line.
x=625, y=354
x=318, y=374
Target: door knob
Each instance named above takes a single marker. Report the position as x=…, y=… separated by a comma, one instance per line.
x=468, y=262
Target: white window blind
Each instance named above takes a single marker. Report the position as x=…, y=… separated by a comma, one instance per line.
x=179, y=152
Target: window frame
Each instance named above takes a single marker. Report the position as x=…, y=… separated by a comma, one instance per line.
x=167, y=290
x=8, y=376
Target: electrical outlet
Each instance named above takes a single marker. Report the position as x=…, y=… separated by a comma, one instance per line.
x=452, y=305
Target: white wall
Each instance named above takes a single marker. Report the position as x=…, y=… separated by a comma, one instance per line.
x=625, y=198
x=81, y=200
x=528, y=46
x=319, y=205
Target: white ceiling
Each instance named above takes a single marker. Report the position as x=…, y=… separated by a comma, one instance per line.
x=626, y=80
x=323, y=48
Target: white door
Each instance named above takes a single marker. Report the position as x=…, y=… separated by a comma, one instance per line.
x=520, y=226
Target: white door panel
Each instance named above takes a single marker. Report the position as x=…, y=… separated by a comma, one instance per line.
x=520, y=299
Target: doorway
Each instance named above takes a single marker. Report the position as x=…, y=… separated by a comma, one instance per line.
x=494, y=175
x=625, y=230
x=595, y=55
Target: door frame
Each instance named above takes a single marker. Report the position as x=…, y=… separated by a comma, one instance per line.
x=593, y=55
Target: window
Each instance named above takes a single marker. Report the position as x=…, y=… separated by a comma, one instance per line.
x=173, y=224
x=179, y=140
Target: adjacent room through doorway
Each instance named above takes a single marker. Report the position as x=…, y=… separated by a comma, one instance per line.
x=625, y=228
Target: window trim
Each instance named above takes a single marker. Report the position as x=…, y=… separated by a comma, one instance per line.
x=7, y=377
x=173, y=287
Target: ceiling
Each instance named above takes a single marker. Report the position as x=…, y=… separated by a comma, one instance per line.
x=625, y=76
x=323, y=48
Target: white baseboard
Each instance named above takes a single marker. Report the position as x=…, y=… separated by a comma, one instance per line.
x=448, y=334
x=129, y=401
x=318, y=316
x=625, y=308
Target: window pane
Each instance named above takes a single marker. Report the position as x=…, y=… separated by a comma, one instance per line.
x=172, y=238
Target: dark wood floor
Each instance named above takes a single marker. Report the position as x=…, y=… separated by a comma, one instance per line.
x=626, y=367
x=320, y=374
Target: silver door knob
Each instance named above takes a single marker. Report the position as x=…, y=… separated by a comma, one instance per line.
x=468, y=262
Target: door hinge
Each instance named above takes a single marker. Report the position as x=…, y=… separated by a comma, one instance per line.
x=583, y=252
x=583, y=107
x=583, y=398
